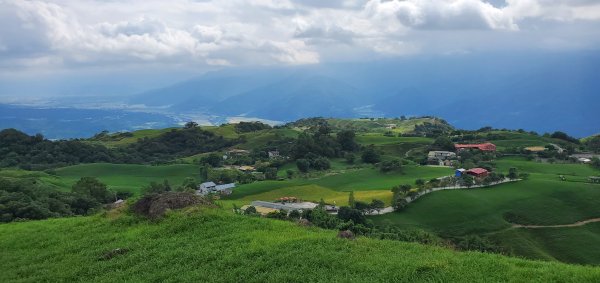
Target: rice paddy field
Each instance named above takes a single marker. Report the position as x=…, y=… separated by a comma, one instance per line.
x=213, y=245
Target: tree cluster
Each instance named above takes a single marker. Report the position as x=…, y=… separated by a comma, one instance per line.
x=28, y=199
x=36, y=152
x=245, y=127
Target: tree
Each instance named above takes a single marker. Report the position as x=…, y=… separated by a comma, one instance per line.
x=377, y=205
x=190, y=125
x=361, y=206
x=443, y=143
x=294, y=214
x=350, y=158
x=321, y=163
x=467, y=180
x=346, y=140
x=271, y=173
x=156, y=188
x=346, y=213
x=351, y=200
x=370, y=155
x=391, y=165
x=251, y=210
x=595, y=162
x=400, y=204
x=594, y=143
x=289, y=173
x=213, y=159
x=303, y=165
x=420, y=183
x=513, y=173
x=189, y=184
x=92, y=187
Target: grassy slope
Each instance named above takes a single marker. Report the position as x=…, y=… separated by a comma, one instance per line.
x=515, y=139
x=362, y=179
x=42, y=177
x=126, y=176
x=216, y=246
x=378, y=125
x=542, y=199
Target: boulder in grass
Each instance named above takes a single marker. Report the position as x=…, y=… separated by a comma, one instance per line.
x=346, y=234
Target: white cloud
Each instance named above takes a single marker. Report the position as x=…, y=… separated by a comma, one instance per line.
x=67, y=33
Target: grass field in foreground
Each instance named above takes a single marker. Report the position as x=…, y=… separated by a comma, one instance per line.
x=572, y=244
x=128, y=177
x=216, y=246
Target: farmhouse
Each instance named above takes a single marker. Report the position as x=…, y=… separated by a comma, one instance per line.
x=441, y=155
x=211, y=187
x=273, y=154
x=482, y=146
x=442, y=158
x=478, y=172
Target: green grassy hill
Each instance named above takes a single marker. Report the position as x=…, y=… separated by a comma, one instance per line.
x=211, y=245
x=541, y=200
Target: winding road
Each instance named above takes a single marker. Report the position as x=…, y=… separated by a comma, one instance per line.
x=576, y=224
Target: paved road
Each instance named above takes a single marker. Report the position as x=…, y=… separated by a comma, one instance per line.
x=390, y=209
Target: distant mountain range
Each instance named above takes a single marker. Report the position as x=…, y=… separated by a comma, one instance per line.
x=543, y=92
x=59, y=123
x=534, y=92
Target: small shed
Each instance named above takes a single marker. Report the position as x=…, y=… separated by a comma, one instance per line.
x=459, y=172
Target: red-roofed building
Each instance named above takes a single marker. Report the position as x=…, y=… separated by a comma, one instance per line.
x=482, y=146
x=478, y=172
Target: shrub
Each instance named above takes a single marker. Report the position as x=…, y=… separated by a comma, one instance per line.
x=155, y=206
x=346, y=234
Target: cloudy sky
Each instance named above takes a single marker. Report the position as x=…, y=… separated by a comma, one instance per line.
x=112, y=34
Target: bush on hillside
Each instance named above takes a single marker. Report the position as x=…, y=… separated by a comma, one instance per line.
x=155, y=206
x=245, y=127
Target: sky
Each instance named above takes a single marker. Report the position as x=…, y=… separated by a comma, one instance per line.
x=74, y=36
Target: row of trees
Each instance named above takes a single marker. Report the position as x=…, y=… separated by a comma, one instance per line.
x=35, y=152
x=28, y=199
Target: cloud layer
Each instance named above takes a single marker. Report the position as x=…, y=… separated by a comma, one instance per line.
x=92, y=33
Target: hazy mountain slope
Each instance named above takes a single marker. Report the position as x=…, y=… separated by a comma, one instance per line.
x=57, y=123
x=294, y=97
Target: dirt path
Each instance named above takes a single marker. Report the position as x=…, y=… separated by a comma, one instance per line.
x=576, y=224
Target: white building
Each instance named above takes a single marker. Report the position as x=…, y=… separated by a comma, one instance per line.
x=211, y=187
x=441, y=155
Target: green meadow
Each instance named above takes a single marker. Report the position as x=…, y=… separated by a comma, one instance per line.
x=212, y=245
x=357, y=180
x=128, y=177
x=541, y=200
